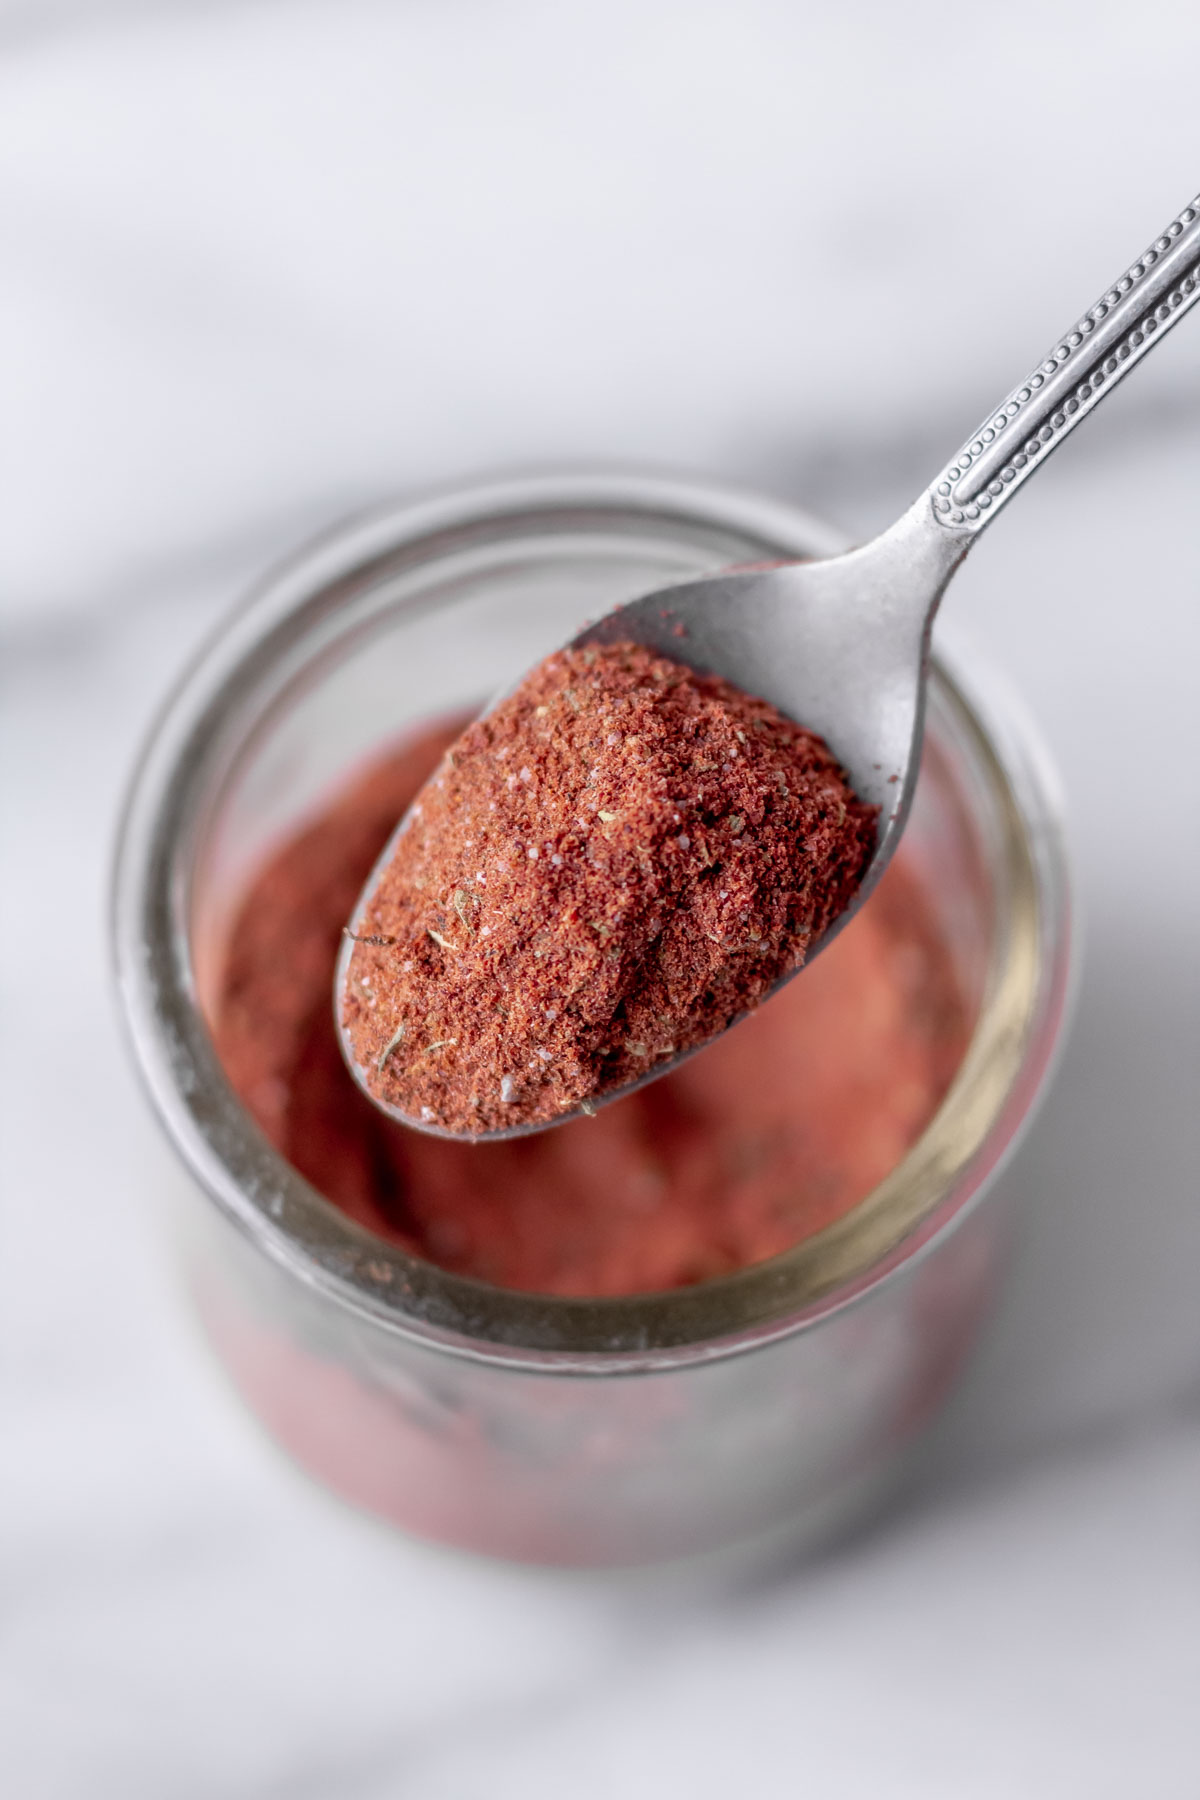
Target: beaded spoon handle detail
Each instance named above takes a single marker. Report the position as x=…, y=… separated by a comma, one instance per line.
x=1152, y=295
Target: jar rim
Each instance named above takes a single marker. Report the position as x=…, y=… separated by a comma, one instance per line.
x=941, y=1176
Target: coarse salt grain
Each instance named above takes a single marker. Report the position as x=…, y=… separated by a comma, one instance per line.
x=532, y=853
x=508, y=1088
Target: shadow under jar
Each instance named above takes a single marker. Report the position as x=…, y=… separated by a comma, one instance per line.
x=555, y=1429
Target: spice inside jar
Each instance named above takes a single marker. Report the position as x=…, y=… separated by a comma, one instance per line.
x=770, y=1134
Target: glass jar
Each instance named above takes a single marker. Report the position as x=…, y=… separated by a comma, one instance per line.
x=524, y=1425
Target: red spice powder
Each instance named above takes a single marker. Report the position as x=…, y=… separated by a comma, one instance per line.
x=618, y=861
x=772, y=1133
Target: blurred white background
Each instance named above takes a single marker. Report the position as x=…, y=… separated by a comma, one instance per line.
x=266, y=261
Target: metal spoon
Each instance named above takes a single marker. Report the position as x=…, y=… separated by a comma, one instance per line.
x=842, y=645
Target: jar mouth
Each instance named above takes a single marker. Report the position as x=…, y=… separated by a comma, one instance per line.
x=313, y=599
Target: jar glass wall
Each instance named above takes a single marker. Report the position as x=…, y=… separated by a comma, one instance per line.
x=522, y=1424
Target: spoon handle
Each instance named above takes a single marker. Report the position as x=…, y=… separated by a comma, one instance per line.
x=1126, y=322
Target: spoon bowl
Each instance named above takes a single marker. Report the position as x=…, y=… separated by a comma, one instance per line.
x=841, y=645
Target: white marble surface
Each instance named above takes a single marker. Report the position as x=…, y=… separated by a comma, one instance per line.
x=265, y=261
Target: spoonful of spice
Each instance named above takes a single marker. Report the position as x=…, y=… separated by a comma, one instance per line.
x=664, y=820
